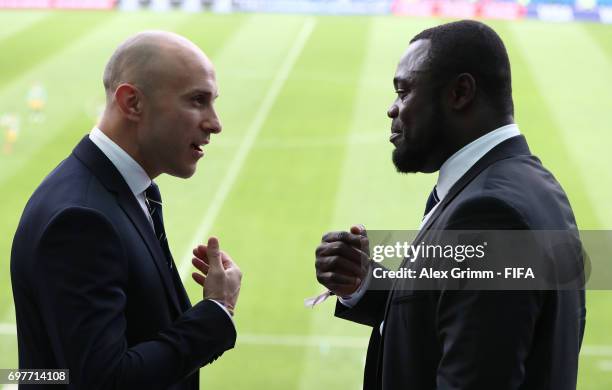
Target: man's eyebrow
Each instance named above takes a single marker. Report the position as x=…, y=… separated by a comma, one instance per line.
x=397, y=80
x=205, y=92
x=198, y=91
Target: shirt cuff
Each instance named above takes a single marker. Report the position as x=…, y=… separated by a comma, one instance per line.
x=355, y=297
x=225, y=310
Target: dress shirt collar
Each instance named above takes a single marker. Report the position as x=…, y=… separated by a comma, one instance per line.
x=133, y=174
x=460, y=162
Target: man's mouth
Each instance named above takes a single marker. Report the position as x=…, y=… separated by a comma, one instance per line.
x=196, y=147
x=395, y=136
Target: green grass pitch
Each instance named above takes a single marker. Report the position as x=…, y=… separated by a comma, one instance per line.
x=304, y=150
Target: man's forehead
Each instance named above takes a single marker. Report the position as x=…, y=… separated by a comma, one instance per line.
x=415, y=59
x=193, y=70
x=197, y=83
x=206, y=86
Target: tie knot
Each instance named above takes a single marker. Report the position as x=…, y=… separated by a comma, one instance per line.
x=153, y=195
x=432, y=201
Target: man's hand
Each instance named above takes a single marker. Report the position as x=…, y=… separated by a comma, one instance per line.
x=220, y=277
x=342, y=260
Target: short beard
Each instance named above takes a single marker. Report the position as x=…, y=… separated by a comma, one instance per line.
x=407, y=160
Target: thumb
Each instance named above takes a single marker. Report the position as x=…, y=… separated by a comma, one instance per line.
x=213, y=253
x=363, y=241
x=359, y=229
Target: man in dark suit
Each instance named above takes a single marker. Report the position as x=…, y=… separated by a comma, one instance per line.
x=454, y=114
x=96, y=289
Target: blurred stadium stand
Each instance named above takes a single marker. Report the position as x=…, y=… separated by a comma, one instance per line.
x=550, y=10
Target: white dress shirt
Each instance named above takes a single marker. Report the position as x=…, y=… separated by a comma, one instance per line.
x=450, y=172
x=133, y=174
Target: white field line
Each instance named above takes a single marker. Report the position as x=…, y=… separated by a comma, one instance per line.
x=8, y=329
x=605, y=365
x=246, y=145
x=297, y=340
x=596, y=350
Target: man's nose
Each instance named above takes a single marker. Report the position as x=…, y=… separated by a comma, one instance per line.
x=217, y=127
x=212, y=124
x=392, y=111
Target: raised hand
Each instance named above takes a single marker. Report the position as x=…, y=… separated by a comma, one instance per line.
x=220, y=278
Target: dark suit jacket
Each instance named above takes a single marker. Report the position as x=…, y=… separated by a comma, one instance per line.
x=472, y=340
x=93, y=292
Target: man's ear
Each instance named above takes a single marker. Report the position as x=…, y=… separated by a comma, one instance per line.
x=129, y=101
x=462, y=91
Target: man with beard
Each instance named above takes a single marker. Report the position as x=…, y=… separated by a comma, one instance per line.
x=454, y=114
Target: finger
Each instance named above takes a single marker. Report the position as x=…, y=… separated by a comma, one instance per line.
x=200, y=265
x=339, y=257
x=359, y=229
x=364, y=241
x=339, y=248
x=200, y=252
x=335, y=280
x=213, y=253
x=347, y=237
x=199, y=278
x=339, y=265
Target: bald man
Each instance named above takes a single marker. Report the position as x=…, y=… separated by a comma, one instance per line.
x=95, y=286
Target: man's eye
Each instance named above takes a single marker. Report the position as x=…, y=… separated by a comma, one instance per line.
x=401, y=93
x=201, y=100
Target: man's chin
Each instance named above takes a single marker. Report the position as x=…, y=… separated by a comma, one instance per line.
x=183, y=172
x=406, y=162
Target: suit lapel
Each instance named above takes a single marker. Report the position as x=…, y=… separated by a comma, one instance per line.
x=180, y=289
x=131, y=207
x=109, y=176
x=511, y=147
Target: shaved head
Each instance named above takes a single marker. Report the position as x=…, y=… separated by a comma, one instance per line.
x=148, y=60
x=160, y=93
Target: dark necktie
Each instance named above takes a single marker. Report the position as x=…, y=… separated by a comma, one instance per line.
x=154, y=204
x=431, y=201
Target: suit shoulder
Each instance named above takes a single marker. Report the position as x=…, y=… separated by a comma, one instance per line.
x=86, y=216
x=520, y=176
x=70, y=190
x=69, y=184
x=484, y=211
x=68, y=181
x=524, y=185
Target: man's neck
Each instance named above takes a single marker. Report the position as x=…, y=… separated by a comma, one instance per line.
x=120, y=136
x=473, y=131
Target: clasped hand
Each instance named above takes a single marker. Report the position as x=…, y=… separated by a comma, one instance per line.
x=342, y=260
